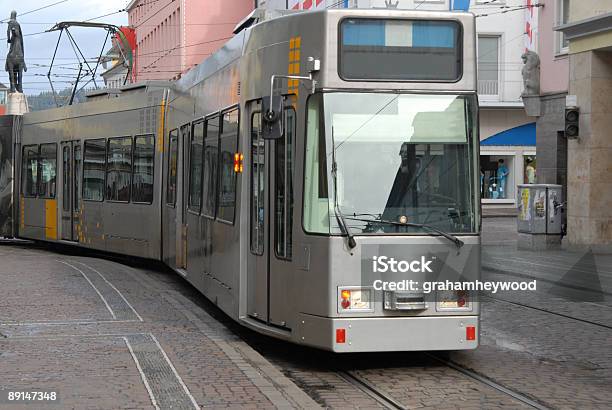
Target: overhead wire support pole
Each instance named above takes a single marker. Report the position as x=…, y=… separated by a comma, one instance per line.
x=51, y=67
x=75, y=84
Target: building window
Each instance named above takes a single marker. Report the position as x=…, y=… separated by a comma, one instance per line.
x=144, y=165
x=211, y=159
x=196, y=157
x=228, y=147
x=562, y=17
x=119, y=169
x=530, y=171
x=47, y=170
x=172, y=168
x=2, y=97
x=283, y=187
x=497, y=179
x=29, y=185
x=488, y=65
x=94, y=168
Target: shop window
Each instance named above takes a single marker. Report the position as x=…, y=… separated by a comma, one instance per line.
x=530, y=171
x=497, y=179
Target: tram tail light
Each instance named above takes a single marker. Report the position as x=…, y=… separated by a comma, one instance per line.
x=238, y=163
x=354, y=299
x=340, y=335
x=453, y=300
x=470, y=333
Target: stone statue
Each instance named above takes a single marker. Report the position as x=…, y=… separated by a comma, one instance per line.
x=15, y=63
x=531, y=73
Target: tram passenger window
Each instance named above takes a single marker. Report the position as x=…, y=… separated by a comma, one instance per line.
x=195, y=166
x=144, y=157
x=211, y=159
x=119, y=169
x=228, y=146
x=77, y=176
x=66, y=178
x=283, y=188
x=172, y=168
x=257, y=186
x=30, y=171
x=94, y=167
x=47, y=170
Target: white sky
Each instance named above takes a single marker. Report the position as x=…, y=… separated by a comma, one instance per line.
x=39, y=48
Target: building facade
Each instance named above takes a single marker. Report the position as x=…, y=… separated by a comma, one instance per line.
x=586, y=34
x=3, y=98
x=173, y=36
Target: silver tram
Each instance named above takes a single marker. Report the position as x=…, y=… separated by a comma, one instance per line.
x=272, y=174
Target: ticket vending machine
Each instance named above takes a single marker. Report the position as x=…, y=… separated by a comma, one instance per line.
x=540, y=215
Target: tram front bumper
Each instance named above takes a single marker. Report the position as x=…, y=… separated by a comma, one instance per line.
x=389, y=334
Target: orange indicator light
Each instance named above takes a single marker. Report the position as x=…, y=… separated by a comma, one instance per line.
x=238, y=163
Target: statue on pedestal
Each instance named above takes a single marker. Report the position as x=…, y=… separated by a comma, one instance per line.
x=531, y=73
x=15, y=63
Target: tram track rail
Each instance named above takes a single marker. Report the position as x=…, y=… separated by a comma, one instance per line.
x=489, y=382
x=368, y=388
x=590, y=322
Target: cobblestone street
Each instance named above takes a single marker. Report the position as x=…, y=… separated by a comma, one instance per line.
x=103, y=334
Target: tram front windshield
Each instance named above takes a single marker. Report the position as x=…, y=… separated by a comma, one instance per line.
x=397, y=158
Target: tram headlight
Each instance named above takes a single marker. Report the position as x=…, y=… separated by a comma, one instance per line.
x=354, y=299
x=453, y=300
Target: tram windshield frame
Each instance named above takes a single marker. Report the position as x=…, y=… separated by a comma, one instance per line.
x=400, y=157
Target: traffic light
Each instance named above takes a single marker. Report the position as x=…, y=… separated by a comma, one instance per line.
x=572, y=119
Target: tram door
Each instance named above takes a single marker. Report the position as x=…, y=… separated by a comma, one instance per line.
x=175, y=192
x=271, y=218
x=70, y=199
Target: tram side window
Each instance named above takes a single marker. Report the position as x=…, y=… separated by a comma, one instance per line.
x=257, y=186
x=195, y=166
x=47, y=170
x=283, y=188
x=144, y=157
x=30, y=171
x=211, y=159
x=94, y=168
x=228, y=146
x=77, y=180
x=119, y=169
x=66, y=181
x=172, y=168
x=316, y=195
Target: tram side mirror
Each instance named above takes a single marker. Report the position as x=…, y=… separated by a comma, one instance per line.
x=272, y=121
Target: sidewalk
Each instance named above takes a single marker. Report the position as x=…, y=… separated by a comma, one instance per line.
x=581, y=271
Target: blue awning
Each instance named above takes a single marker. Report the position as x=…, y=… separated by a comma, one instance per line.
x=524, y=135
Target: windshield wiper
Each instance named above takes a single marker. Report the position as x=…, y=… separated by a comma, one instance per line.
x=339, y=216
x=458, y=242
